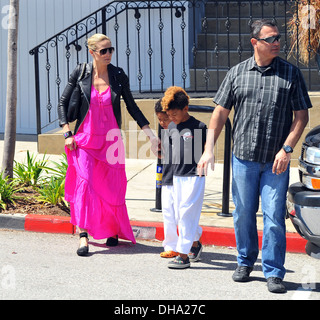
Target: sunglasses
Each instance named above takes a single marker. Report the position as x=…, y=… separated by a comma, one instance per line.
x=270, y=39
x=102, y=52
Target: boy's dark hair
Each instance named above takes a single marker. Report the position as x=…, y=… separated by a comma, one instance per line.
x=257, y=25
x=174, y=98
x=158, y=107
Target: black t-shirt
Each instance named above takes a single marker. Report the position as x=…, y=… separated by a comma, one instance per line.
x=167, y=158
x=183, y=146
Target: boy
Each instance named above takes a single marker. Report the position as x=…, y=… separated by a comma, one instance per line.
x=169, y=219
x=161, y=115
x=184, y=145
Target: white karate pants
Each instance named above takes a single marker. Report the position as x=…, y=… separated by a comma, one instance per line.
x=181, y=207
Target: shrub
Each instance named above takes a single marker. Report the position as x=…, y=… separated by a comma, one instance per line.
x=7, y=189
x=53, y=192
x=31, y=173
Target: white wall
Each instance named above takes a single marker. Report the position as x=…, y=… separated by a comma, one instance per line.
x=41, y=19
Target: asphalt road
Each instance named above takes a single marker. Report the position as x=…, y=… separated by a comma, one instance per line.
x=45, y=266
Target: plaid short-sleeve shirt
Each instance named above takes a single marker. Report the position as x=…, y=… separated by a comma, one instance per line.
x=264, y=100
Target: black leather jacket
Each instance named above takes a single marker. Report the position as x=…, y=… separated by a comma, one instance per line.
x=119, y=85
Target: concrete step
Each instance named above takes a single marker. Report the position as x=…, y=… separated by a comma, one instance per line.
x=53, y=142
x=220, y=60
x=247, y=8
x=312, y=78
x=224, y=58
x=225, y=40
x=211, y=40
x=136, y=144
x=211, y=79
x=223, y=25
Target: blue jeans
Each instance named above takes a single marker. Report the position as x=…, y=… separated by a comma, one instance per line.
x=249, y=180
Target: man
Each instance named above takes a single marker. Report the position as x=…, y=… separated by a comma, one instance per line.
x=265, y=92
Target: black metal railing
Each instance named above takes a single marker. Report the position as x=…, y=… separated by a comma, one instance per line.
x=161, y=43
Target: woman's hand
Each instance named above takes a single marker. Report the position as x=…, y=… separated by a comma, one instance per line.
x=155, y=141
x=70, y=143
x=156, y=146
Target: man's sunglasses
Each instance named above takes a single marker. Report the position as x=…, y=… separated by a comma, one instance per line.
x=270, y=39
x=102, y=52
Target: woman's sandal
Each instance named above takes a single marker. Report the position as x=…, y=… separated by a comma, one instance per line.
x=179, y=263
x=168, y=254
x=84, y=250
x=112, y=242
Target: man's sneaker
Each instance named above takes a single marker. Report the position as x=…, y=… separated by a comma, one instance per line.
x=275, y=285
x=179, y=263
x=242, y=274
x=195, y=252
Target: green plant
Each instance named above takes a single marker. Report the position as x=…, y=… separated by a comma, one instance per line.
x=8, y=187
x=61, y=167
x=53, y=192
x=30, y=174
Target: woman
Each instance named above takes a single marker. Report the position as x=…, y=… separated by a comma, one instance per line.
x=96, y=180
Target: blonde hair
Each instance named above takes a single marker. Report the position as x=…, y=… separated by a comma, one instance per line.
x=93, y=40
x=174, y=98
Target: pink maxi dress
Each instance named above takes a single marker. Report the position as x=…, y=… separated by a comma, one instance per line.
x=96, y=181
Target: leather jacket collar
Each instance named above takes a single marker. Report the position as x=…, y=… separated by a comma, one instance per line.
x=119, y=85
x=115, y=85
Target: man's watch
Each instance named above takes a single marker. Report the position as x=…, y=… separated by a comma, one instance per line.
x=287, y=149
x=67, y=134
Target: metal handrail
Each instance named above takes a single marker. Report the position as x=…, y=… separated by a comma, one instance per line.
x=194, y=53
x=226, y=162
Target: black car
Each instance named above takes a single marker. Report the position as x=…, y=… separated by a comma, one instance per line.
x=303, y=203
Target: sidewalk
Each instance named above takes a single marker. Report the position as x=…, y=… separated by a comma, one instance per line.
x=140, y=199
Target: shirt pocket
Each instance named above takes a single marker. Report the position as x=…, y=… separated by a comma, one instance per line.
x=278, y=111
x=281, y=97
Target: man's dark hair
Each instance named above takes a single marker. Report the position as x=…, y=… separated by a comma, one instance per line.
x=257, y=25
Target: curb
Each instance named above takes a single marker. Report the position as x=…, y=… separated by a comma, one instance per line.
x=50, y=224
x=224, y=237
x=36, y=223
x=142, y=230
